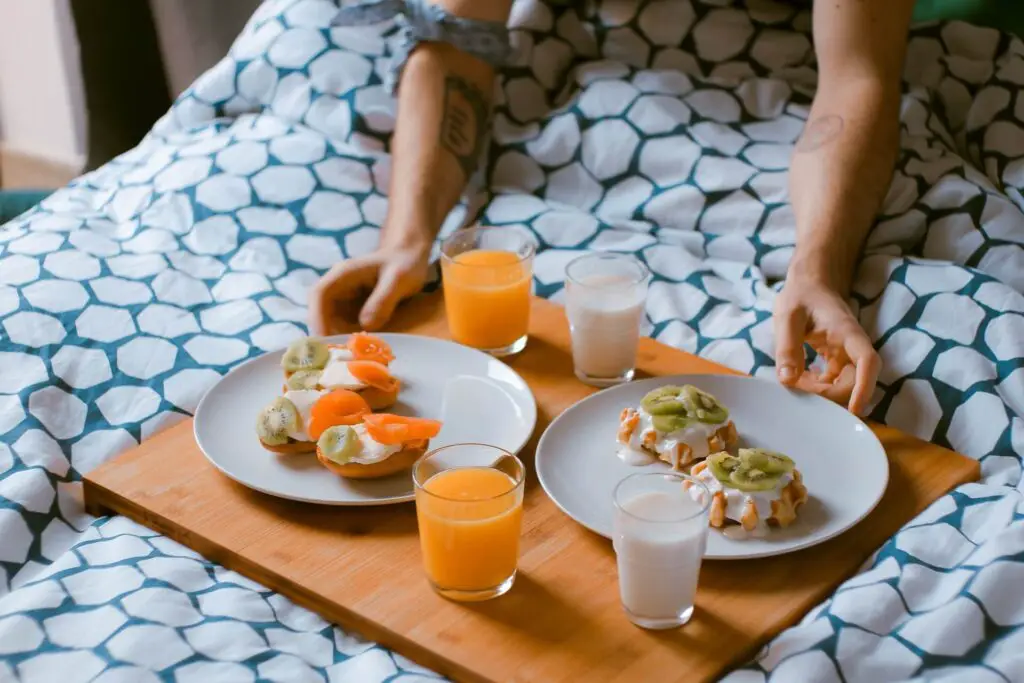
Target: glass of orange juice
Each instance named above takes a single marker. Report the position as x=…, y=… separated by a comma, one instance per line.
x=487, y=274
x=469, y=504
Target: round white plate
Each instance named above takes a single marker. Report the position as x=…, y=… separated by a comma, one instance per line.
x=843, y=464
x=478, y=399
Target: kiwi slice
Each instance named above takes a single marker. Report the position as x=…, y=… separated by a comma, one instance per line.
x=687, y=401
x=752, y=479
x=305, y=354
x=276, y=420
x=664, y=401
x=767, y=461
x=703, y=406
x=722, y=466
x=340, y=444
x=669, y=423
x=303, y=379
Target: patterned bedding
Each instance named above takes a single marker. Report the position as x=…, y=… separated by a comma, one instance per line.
x=660, y=128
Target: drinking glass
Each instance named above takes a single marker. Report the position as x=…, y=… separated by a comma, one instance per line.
x=660, y=533
x=487, y=274
x=605, y=295
x=469, y=505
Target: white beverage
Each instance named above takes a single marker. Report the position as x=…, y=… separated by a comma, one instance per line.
x=659, y=539
x=604, y=318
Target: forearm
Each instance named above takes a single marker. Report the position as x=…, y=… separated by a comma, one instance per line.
x=842, y=166
x=839, y=175
x=443, y=112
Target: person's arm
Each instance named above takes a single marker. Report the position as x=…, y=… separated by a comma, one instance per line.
x=444, y=101
x=840, y=172
x=444, y=104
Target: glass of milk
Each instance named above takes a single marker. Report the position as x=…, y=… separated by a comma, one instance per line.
x=605, y=294
x=660, y=533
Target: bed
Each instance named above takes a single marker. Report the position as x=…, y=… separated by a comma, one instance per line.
x=658, y=128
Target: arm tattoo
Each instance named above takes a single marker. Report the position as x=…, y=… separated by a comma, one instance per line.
x=820, y=132
x=464, y=124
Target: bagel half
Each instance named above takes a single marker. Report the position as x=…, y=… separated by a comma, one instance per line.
x=396, y=462
x=293, y=447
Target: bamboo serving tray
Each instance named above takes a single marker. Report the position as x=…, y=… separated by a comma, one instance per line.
x=361, y=568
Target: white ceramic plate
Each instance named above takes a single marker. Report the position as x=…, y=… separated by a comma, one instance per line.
x=843, y=464
x=478, y=398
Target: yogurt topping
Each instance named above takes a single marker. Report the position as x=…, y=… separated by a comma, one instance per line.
x=695, y=436
x=371, y=450
x=736, y=500
x=303, y=401
x=336, y=375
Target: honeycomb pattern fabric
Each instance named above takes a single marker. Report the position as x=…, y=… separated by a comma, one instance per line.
x=660, y=128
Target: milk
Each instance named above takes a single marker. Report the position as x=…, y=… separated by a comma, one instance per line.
x=659, y=542
x=604, y=319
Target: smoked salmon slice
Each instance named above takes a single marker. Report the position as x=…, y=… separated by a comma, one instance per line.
x=340, y=407
x=392, y=430
x=373, y=374
x=366, y=346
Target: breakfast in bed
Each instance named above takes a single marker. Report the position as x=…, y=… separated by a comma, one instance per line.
x=679, y=425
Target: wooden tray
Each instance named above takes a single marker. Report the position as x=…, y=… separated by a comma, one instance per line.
x=562, y=621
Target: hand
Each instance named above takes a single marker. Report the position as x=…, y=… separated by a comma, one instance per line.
x=811, y=312
x=367, y=289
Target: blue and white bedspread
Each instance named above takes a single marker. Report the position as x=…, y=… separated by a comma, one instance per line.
x=659, y=128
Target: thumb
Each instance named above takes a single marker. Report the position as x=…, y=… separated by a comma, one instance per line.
x=790, y=328
x=381, y=303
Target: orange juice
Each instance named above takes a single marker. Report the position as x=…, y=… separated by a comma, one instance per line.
x=469, y=522
x=487, y=297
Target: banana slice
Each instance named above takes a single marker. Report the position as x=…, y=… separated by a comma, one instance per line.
x=276, y=420
x=305, y=354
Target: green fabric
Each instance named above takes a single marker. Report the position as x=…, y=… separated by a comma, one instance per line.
x=13, y=203
x=1006, y=15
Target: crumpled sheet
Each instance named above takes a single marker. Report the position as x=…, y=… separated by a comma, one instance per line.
x=659, y=128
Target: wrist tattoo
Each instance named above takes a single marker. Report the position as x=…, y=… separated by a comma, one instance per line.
x=820, y=132
x=464, y=124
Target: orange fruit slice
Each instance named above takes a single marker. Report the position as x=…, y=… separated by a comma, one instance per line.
x=373, y=374
x=340, y=407
x=368, y=347
x=392, y=430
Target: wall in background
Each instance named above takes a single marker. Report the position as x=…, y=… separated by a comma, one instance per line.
x=83, y=80
x=195, y=34
x=42, y=111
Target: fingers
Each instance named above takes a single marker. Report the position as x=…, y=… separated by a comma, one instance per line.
x=835, y=360
x=837, y=390
x=338, y=292
x=381, y=303
x=862, y=354
x=790, y=328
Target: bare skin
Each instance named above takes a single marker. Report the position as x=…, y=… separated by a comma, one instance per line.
x=444, y=101
x=839, y=174
x=840, y=171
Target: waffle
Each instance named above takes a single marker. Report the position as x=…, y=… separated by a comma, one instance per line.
x=724, y=438
x=784, y=504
